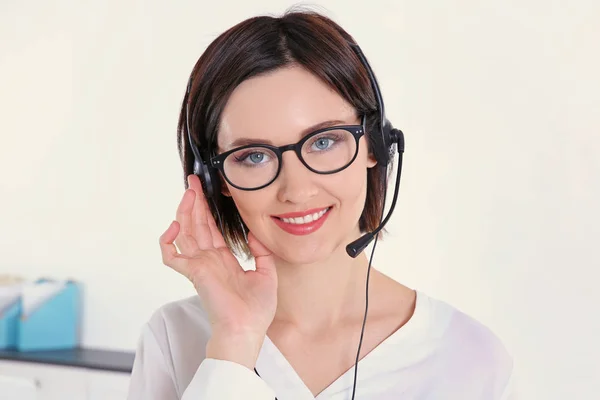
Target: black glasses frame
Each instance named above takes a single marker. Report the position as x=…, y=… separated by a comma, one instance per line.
x=357, y=132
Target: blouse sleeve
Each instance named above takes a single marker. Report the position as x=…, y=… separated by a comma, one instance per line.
x=152, y=378
x=221, y=379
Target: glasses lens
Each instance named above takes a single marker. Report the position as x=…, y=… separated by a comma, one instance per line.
x=330, y=150
x=251, y=167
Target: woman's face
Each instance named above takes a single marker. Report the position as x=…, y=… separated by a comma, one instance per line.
x=276, y=109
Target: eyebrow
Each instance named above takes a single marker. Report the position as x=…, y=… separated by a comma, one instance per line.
x=325, y=124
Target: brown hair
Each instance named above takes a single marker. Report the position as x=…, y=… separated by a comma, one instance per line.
x=262, y=44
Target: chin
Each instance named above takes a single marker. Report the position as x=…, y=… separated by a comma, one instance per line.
x=296, y=259
x=309, y=252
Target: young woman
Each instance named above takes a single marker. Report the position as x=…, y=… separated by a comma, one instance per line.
x=286, y=154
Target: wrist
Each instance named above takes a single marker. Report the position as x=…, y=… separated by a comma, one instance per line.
x=236, y=347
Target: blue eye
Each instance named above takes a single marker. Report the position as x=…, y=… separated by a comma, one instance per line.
x=256, y=157
x=323, y=143
x=252, y=158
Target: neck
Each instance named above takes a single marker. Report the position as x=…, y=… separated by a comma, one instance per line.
x=317, y=296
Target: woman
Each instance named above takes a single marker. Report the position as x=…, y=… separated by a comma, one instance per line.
x=291, y=327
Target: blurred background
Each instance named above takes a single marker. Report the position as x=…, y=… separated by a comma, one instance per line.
x=498, y=208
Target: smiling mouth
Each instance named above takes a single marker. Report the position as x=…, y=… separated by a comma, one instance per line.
x=307, y=219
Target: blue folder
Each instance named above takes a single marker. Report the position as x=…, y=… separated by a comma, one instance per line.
x=54, y=325
x=9, y=323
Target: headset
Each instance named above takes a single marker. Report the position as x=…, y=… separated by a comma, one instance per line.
x=391, y=139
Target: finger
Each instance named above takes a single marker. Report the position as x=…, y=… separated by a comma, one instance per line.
x=200, y=214
x=170, y=256
x=217, y=237
x=263, y=257
x=186, y=239
x=207, y=233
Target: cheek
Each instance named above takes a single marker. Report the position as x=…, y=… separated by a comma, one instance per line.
x=252, y=204
x=355, y=176
x=349, y=186
x=245, y=202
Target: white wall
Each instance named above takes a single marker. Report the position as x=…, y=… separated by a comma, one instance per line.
x=498, y=208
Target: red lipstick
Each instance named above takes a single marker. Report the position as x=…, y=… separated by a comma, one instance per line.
x=304, y=228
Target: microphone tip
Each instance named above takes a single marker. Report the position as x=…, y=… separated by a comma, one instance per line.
x=356, y=247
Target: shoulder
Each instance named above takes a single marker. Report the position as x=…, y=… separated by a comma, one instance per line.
x=466, y=349
x=474, y=338
x=180, y=330
x=180, y=316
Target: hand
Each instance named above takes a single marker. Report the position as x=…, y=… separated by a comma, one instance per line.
x=240, y=304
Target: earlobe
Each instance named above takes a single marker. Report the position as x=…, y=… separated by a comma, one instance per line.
x=371, y=161
x=224, y=188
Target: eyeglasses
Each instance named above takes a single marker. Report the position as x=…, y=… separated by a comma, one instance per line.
x=325, y=151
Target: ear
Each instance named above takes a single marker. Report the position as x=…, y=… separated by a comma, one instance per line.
x=224, y=187
x=371, y=160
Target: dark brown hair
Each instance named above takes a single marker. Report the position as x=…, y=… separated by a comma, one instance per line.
x=260, y=45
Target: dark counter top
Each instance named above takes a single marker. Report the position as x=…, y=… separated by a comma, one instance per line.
x=105, y=360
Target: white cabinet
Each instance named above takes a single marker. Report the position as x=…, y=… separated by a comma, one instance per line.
x=104, y=385
x=18, y=388
x=52, y=382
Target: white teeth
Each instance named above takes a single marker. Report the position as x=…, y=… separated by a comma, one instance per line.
x=306, y=219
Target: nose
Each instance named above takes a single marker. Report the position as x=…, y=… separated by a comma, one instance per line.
x=296, y=182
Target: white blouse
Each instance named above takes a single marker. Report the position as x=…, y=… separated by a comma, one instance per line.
x=439, y=354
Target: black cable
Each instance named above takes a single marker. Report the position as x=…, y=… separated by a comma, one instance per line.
x=362, y=332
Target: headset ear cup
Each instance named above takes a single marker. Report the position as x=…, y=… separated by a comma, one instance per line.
x=209, y=180
x=197, y=169
x=393, y=139
x=388, y=141
x=378, y=141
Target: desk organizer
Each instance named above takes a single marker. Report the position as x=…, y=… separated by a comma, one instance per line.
x=9, y=322
x=52, y=325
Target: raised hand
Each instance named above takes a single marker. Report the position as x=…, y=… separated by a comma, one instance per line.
x=240, y=304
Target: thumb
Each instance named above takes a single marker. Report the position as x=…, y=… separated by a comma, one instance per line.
x=262, y=255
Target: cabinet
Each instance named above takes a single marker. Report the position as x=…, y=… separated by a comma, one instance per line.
x=42, y=379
